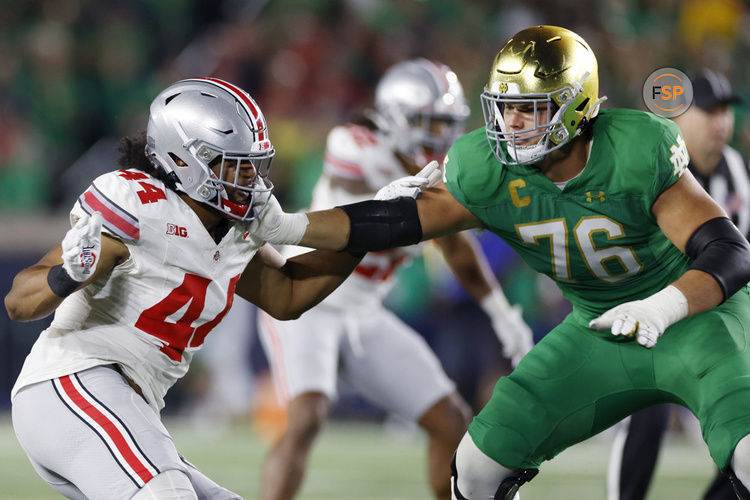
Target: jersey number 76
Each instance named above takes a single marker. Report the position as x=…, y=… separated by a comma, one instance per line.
x=557, y=232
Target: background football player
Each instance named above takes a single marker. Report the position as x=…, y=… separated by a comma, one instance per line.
x=153, y=260
x=603, y=203
x=419, y=111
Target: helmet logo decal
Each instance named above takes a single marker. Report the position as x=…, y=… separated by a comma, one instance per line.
x=503, y=87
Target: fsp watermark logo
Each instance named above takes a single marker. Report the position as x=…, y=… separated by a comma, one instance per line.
x=667, y=92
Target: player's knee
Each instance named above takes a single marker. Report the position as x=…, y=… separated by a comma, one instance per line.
x=167, y=485
x=307, y=416
x=448, y=418
x=475, y=475
x=507, y=446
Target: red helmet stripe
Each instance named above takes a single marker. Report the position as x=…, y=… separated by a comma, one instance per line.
x=243, y=98
x=439, y=73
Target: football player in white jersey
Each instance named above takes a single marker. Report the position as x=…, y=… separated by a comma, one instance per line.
x=153, y=260
x=419, y=110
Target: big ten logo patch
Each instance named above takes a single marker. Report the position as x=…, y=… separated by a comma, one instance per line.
x=667, y=92
x=175, y=230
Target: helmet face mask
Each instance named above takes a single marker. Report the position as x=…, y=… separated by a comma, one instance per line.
x=421, y=103
x=551, y=72
x=238, y=179
x=528, y=145
x=435, y=133
x=213, y=139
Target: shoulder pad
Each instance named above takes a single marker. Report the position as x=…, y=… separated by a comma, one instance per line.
x=117, y=196
x=343, y=156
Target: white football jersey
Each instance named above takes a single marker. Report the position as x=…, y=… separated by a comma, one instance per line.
x=153, y=311
x=358, y=153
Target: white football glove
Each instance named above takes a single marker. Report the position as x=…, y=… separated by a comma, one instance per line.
x=82, y=246
x=647, y=319
x=276, y=226
x=412, y=185
x=511, y=330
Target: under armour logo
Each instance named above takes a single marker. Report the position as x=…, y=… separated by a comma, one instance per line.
x=680, y=157
x=590, y=197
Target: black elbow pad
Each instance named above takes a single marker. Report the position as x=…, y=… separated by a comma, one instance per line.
x=378, y=225
x=718, y=248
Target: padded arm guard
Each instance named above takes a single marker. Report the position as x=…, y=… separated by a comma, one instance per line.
x=379, y=225
x=718, y=248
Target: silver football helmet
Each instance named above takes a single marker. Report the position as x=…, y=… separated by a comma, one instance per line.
x=422, y=104
x=199, y=124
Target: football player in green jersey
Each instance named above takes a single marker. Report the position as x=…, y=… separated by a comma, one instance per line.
x=600, y=201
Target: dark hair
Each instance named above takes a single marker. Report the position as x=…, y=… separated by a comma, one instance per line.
x=363, y=120
x=587, y=128
x=133, y=155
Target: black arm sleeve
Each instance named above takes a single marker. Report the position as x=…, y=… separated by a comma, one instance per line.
x=718, y=248
x=379, y=225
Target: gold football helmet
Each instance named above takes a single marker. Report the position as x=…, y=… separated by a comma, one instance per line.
x=540, y=67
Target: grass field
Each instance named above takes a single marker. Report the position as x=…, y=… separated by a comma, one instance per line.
x=362, y=462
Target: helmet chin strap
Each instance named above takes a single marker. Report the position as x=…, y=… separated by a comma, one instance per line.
x=527, y=154
x=520, y=154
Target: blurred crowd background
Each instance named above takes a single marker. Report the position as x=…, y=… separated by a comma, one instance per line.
x=76, y=75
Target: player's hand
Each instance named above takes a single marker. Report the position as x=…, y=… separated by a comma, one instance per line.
x=511, y=330
x=412, y=185
x=274, y=225
x=82, y=246
x=633, y=318
x=513, y=333
x=645, y=319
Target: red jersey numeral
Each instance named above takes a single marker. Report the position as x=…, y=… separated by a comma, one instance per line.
x=129, y=175
x=380, y=271
x=150, y=193
x=177, y=336
x=362, y=136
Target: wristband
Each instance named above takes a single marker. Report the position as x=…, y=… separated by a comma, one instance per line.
x=292, y=228
x=60, y=282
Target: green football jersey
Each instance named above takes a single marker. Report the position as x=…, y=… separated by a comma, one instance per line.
x=596, y=237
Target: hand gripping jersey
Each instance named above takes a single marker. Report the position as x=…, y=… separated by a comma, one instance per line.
x=597, y=237
x=153, y=311
x=359, y=154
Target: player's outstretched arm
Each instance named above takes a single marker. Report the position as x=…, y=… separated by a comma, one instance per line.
x=698, y=226
x=375, y=224
x=381, y=224
x=471, y=269
x=287, y=288
x=82, y=257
